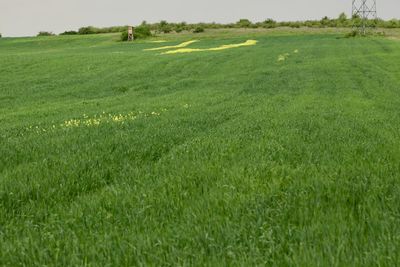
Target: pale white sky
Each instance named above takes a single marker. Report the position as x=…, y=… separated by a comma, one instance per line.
x=28, y=17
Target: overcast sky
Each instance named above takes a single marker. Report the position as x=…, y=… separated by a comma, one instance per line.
x=28, y=17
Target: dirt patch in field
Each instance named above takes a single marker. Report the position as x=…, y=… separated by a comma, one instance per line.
x=395, y=38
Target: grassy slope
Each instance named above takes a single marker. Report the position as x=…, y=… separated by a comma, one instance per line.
x=251, y=161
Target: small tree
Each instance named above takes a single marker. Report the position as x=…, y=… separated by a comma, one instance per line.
x=269, y=23
x=164, y=27
x=342, y=17
x=142, y=31
x=244, y=23
x=325, y=21
x=342, y=20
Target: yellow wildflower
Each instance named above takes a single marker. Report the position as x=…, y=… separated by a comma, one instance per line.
x=172, y=46
x=223, y=47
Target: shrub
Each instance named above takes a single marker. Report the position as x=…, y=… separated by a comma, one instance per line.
x=0, y=35
x=69, y=33
x=141, y=32
x=167, y=29
x=87, y=30
x=180, y=27
x=351, y=34
x=124, y=36
x=269, y=23
x=244, y=23
x=45, y=34
x=164, y=27
x=342, y=17
x=295, y=24
x=393, y=23
x=198, y=29
x=94, y=30
x=325, y=21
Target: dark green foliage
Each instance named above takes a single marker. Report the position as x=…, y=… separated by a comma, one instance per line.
x=180, y=27
x=164, y=27
x=94, y=30
x=44, y=33
x=141, y=32
x=198, y=29
x=342, y=17
x=87, y=30
x=295, y=24
x=326, y=22
x=393, y=23
x=124, y=36
x=269, y=23
x=244, y=23
x=69, y=33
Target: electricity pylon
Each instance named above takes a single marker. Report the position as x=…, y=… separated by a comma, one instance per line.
x=363, y=12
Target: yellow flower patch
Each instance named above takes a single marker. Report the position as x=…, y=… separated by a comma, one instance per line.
x=157, y=41
x=94, y=121
x=182, y=45
x=97, y=120
x=223, y=47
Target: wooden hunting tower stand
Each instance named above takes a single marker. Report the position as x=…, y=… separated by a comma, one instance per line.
x=131, y=32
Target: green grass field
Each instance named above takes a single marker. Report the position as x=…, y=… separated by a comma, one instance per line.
x=115, y=156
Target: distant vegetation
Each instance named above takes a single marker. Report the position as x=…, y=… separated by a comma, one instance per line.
x=147, y=29
x=69, y=33
x=199, y=29
x=45, y=34
x=141, y=32
x=94, y=30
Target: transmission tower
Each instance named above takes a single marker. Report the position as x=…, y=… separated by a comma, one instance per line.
x=363, y=12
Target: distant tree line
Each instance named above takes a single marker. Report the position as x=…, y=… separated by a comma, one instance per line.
x=43, y=33
x=147, y=29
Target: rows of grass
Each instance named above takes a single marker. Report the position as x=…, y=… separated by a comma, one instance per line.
x=250, y=161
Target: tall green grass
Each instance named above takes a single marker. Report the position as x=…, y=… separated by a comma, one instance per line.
x=250, y=161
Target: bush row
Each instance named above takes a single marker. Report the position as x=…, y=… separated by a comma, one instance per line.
x=146, y=29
